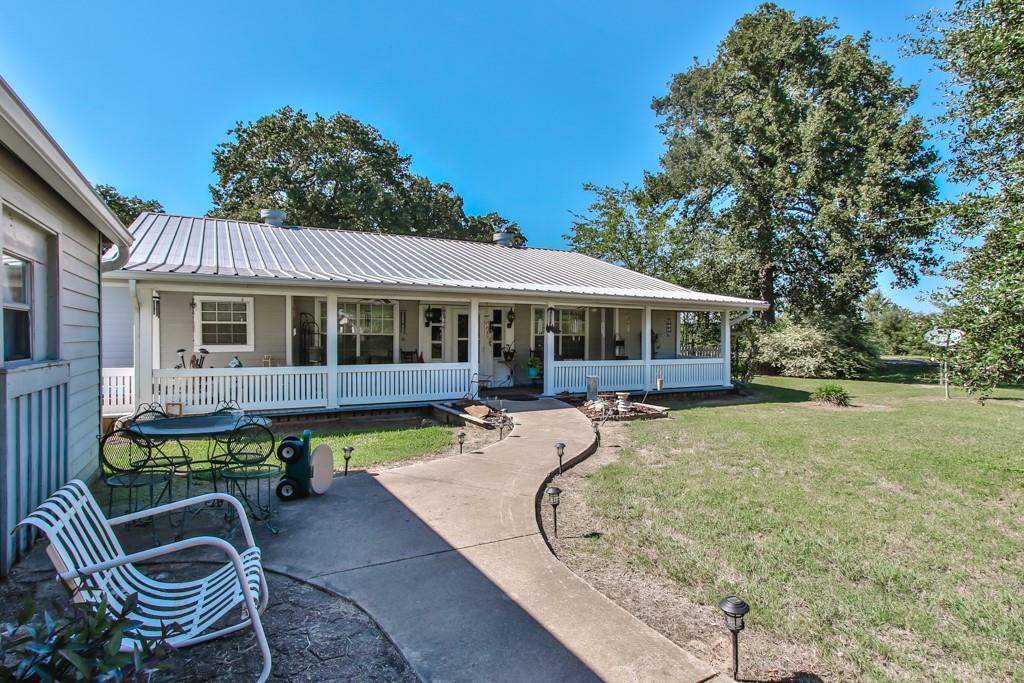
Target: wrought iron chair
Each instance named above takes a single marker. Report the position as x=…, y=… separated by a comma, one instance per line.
x=167, y=453
x=127, y=463
x=88, y=557
x=249, y=447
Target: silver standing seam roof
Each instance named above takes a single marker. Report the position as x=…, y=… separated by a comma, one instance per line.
x=200, y=248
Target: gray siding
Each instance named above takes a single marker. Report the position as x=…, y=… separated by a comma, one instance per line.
x=176, y=331
x=116, y=323
x=49, y=433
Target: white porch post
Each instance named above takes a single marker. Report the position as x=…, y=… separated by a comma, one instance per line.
x=549, y=356
x=646, y=347
x=726, y=350
x=144, y=348
x=474, y=344
x=288, y=326
x=332, y=350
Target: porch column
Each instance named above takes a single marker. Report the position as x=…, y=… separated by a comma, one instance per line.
x=549, y=356
x=474, y=344
x=332, y=350
x=726, y=349
x=144, y=346
x=288, y=327
x=646, y=348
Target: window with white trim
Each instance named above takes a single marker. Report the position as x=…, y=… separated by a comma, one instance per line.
x=366, y=332
x=17, y=302
x=224, y=323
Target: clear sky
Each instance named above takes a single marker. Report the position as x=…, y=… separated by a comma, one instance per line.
x=515, y=104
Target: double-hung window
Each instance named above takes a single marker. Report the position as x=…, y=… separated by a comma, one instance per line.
x=17, y=302
x=570, y=332
x=366, y=332
x=224, y=323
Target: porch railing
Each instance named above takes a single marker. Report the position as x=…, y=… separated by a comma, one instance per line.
x=117, y=390
x=632, y=375
x=403, y=382
x=284, y=388
x=200, y=390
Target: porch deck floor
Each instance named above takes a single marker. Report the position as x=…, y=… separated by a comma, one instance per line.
x=448, y=558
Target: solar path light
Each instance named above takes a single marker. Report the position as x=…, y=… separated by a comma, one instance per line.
x=462, y=440
x=734, y=609
x=560, y=448
x=554, y=493
x=348, y=456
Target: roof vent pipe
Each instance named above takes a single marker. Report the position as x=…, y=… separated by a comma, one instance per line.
x=273, y=217
x=504, y=239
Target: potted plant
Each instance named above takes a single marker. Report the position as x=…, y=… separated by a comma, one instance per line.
x=508, y=353
x=533, y=367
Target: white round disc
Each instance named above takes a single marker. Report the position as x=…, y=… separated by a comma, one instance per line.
x=322, y=462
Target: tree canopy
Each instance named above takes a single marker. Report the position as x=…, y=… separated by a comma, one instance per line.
x=795, y=170
x=335, y=172
x=126, y=208
x=980, y=46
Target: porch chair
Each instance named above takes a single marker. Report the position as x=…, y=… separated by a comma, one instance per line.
x=89, y=558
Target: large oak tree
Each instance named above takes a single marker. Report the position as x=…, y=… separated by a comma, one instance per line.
x=335, y=172
x=798, y=171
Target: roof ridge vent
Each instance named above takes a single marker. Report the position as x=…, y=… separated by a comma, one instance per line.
x=275, y=217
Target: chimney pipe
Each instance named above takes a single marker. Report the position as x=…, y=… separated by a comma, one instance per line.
x=273, y=217
x=504, y=239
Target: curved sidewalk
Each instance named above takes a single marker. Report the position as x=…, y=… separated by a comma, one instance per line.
x=447, y=556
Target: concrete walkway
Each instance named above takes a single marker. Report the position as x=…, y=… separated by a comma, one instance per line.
x=447, y=556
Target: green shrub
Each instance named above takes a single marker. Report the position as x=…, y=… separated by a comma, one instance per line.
x=822, y=347
x=80, y=644
x=832, y=394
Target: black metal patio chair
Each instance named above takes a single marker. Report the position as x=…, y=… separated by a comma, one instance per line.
x=126, y=461
x=249, y=447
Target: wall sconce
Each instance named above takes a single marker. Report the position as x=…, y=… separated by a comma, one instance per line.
x=510, y=317
x=550, y=327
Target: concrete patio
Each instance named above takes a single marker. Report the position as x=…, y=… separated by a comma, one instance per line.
x=448, y=558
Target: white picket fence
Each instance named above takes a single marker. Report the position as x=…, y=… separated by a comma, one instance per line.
x=634, y=375
x=117, y=390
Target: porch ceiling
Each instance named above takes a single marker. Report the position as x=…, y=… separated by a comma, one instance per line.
x=206, y=249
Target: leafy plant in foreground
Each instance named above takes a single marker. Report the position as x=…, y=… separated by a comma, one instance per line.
x=832, y=394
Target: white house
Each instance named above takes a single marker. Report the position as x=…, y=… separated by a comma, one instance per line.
x=322, y=319
x=54, y=229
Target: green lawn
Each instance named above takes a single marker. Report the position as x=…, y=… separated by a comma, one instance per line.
x=890, y=536
x=373, y=446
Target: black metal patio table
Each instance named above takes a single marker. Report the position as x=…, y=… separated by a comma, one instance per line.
x=193, y=426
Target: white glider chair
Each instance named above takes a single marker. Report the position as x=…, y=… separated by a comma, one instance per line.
x=89, y=558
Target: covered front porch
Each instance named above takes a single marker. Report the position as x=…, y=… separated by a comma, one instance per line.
x=305, y=350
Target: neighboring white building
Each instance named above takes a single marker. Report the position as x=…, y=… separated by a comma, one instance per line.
x=323, y=319
x=54, y=229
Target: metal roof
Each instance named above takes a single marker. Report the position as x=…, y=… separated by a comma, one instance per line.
x=201, y=248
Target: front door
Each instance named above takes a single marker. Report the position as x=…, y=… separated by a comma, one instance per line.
x=496, y=338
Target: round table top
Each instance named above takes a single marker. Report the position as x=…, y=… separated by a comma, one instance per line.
x=193, y=425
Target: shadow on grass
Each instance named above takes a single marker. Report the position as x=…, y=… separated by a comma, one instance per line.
x=751, y=394
x=906, y=372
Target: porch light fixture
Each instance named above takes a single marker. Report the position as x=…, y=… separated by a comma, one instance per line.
x=348, y=456
x=462, y=440
x=510, y=317
x=734, y=609
x=550, y=327
x=554, y=494
x=560, y=449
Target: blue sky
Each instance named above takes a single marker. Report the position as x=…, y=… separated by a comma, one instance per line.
x=515, y=104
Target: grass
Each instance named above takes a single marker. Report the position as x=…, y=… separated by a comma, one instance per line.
x=889, y=536
x=373, y=446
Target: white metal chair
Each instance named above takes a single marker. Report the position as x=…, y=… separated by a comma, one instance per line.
x=89, y=558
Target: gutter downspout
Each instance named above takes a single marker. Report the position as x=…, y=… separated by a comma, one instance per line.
x=133, y=296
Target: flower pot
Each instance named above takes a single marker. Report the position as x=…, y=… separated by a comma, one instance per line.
x=531, y=372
